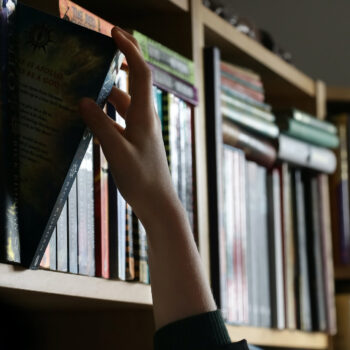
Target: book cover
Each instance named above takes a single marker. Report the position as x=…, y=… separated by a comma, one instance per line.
x=255, y=148
x=255, y=86
x=308, y=133
x=166, y=59
x=73, y=229
x=143, y=254
x=56, y=63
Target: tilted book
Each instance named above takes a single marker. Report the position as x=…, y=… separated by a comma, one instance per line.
x=52, y=64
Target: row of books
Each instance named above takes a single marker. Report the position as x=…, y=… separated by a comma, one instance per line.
x=275, y=262
x=339, y=190
x=91, y=229
x=270, y=208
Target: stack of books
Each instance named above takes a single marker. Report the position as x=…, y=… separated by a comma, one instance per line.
x=274, y=257
x=92, y=230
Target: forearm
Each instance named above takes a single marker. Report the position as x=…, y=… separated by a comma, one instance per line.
x=179, y=286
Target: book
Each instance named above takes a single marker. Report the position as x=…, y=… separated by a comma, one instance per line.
x=53, y=250
x=101, y=211
x=74, y=13
x=308, y=133
x=174, y=85
x=307, y=119
x=302, y=270
x=86, y=230
x=166, y=59
x=246, y=108
x=62, y=241
x=255, y=148
x=276, y=250
x=339, y=184
x=73, y=229
x=306, y=155
x=129, y=249
x=214, y=161
x=84, y=64
x=250, y=122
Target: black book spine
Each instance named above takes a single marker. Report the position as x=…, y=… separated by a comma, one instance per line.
x=214, y=159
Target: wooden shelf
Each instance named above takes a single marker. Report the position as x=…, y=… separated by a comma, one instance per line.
x=65, y=284
x=279, y=338
x=338, y=94
x=280, y=78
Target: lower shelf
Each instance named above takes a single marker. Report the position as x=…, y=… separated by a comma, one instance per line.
x=64, y=284
x=279, y=338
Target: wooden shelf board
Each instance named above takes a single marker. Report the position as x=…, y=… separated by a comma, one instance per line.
x=279, y=338
x=338, y=93
x=279, y=77
x=65, y=284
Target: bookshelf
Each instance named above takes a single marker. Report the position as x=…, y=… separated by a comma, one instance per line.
x=285, y=86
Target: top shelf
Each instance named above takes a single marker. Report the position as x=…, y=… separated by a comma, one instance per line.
x=280, y=78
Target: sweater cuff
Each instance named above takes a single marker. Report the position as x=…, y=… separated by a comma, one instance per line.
x=202, y=331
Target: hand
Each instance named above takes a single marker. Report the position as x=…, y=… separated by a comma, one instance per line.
x=136, y=154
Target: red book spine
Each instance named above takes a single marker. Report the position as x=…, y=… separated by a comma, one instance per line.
x=239, y=74
x=238, y=87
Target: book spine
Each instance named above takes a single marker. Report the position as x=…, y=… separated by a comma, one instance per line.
x=113, y=227
x=174, y=85
x=174, y=119
x=255, y=87
x=9, y=119
x=275, y=251
x=246, y=108
x=73, y=229
x=303, y=287
x=327, y=256
x=238, y=72
x=311, y=134
x=303, y=154
x=245, y=98
x=165, y=58
x=144, y=268
x=45, y=261
x=53, y=250
x=314, y=122
x=256, y=124
x=255, y=95
x=62, y=241
x=78, y=15
x=101, y=211
x=159, y=104
x=121, y=204
x=130, y=261
x=255, y=148
x=136, y=246
x=288, y=247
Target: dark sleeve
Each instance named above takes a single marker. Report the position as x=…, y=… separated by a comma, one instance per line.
x=206, y=331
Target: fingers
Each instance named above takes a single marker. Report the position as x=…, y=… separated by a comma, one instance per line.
x=101, y=125
x=120, y=100
x=130, y=37
x=140, y=74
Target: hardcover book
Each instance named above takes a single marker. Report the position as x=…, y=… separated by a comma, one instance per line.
x=51, y=65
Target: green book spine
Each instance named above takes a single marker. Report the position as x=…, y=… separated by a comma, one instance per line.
x=242, y=82
x=256, y=124
x=245, y=108
x=165, y=125
x=309, y=120
x=309, y=133
x=165, y=58
x=159, y=102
